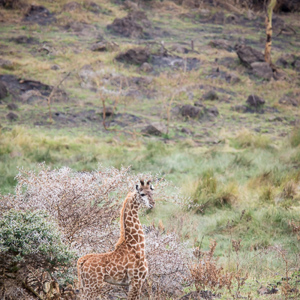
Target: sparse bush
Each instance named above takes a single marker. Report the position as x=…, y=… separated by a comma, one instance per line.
x=247, y=139
x=209, y=192
x=207, y=274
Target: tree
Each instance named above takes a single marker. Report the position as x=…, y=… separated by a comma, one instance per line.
x=269, y=30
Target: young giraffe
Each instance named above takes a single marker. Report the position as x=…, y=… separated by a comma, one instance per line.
x=127, y=264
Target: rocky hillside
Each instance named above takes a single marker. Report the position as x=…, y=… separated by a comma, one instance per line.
x=177, y=71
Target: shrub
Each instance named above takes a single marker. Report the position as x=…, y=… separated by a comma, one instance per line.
x=29, y=243
x=207, y=274
x=247, y=139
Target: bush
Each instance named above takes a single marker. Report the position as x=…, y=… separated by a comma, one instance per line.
x=247, y=139
x=29, y=237
x=31, y=245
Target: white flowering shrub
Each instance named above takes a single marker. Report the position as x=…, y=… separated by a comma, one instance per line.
x=169, y=262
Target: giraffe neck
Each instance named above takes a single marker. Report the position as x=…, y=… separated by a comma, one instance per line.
x=131, y=228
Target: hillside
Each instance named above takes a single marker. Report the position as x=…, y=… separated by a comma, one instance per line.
x=176, y=88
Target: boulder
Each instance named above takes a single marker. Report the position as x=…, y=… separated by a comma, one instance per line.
x=191, y=111
x=218, y=18
x=211, y=95
x=146, y=67
x=126, y=27
x=232, y=78
x=12, y=106
x=262, y=70
x=255, y=101
x=11, y=116
x=105, y=46
x=248, y=55
x=154, y=129
x=211, y=111
x=3, y=90
x=286, y=61
x=92, y=7
x=6, y=64
x=72, y=6
x=221, y=44
x=136, y=56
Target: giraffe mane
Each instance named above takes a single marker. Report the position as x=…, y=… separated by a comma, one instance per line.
x=122, y=221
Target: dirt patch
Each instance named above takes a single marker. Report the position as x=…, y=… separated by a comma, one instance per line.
x=136, y=56
x=40, y=15
x=19, y=88
x=23, y=39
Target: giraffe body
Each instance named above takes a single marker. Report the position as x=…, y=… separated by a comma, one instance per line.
x=127, y=264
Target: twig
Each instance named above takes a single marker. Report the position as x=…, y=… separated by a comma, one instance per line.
x=52, y=93
x=30, y=289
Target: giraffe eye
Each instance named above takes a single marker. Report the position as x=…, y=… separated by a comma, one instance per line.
x=143, y=194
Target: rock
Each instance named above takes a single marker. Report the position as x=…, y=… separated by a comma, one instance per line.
x=190, y=3
x=3, y=90
x=211, y=111
x=33, y=97
x=39, y=14
x=191, y=111
x=199, y=104
x=218, y=18
x=180, y=49
x=12, y=116
x=12, y=106
x=262, y=70
x=286, y=61
x=232, y=19
x=155, y=129
x=109, y=111
x=23, y=39
x=136, y=56
x=126, y=27
x=92, y=6
x=231, y=78
x=296, y=65
x=210, y=95
x=221, y=44
x=255, y=101
x=275, y=119
x=105, y=46
x=239, y=108
x=55, y=67
x=72, y=6
x=290, y=100
x=6, y=64
x=248, y=55
x=145, y=67
x=186, y=130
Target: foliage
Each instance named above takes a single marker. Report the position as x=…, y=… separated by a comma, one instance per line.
x=29, y=237
x=30, y=244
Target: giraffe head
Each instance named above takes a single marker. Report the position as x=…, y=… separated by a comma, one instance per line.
x=145, y=192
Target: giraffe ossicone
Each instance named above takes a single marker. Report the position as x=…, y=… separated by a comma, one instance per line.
x=127, y=264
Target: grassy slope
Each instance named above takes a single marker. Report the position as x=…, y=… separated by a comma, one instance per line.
x=250, y=169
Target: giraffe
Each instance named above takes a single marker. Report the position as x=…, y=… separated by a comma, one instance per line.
x=127, y=264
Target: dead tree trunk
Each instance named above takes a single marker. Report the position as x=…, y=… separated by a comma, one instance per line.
x=269, y=30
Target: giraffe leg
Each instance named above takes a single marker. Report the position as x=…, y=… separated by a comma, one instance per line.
x=92, y=287
x=135, y=290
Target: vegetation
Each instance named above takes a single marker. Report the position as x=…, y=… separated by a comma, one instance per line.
x=74, y=141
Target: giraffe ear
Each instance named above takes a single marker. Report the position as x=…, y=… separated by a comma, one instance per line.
x=137, y=187
x=151, y=187
x=142, y=182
